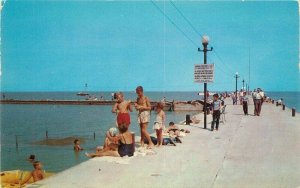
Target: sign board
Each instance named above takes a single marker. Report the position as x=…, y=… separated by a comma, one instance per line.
x=204, y=73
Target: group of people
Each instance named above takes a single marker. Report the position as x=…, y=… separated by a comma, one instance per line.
x=258, y=97
x=121, y=144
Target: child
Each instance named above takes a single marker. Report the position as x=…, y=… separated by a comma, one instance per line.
x=77, y=145
x=143, y=106
x=125, y=147
x=122, y=108
x=173, y=130
x=31, y=158
x=216, y=107
x=108, y=144
x=37, y=174
x=159, y=124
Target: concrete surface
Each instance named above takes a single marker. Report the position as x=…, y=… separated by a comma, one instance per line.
x=247, y=151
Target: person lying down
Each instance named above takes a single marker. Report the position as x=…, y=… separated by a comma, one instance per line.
x=174, y=131
x=116, y=145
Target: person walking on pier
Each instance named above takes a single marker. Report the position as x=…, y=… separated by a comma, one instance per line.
x=245, y=102
x=143, y=106
x=216, y=107
x=254, y=93
x=259, y=100
x=233, y=98
x=241, y=95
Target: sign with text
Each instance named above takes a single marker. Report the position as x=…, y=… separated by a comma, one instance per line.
x=204, y=73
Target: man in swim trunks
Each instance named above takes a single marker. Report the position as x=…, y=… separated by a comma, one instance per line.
x=122, y=108
x=143, y=106
x=37, y=174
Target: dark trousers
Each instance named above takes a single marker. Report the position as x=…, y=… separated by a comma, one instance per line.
x=245, y=107
x=216, y=119
x=257, y=107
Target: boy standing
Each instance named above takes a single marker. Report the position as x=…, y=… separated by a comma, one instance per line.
x=122, y=108
x=143, y=106
x=216, y=107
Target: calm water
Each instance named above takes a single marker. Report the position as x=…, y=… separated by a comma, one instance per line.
x=30, y=123
x=291, y=99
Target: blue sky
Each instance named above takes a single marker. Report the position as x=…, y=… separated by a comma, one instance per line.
x=61, y=45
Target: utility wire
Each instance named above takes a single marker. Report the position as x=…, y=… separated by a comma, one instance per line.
x=222, y=70
x=172, y=22
x=186, y=19
x=198, y=33
x=217, y=55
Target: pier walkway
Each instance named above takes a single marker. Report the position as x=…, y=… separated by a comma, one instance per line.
x=247, y=151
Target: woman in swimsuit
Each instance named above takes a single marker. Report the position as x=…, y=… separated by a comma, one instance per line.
x=125, y=144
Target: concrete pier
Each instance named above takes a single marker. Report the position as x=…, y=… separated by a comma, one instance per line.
x=247, y=151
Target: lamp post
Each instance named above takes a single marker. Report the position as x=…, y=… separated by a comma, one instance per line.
x=204, y=41
x=243, y=84
x=246, y=88
x=236, y=77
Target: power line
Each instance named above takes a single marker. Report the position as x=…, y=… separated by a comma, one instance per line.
x=172, y=22
x=222, y=70
x=230, y=71
x=186, y=19
x=217, y=55
x=198, y=33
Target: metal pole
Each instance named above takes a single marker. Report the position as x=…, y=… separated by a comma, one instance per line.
x=243, y=84
x=236, y=77
x=17, y=144
x=205, y=50
x=205, y=86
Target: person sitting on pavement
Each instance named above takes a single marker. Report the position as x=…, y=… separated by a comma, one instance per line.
x=124, y=141
x=173, y=131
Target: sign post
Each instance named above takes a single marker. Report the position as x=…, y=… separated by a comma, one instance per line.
x=204, y=73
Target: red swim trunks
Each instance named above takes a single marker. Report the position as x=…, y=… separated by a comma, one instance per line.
x=123, y=118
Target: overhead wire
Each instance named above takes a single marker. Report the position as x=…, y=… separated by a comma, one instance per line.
x=198, y=33
x=227, y=70
x=173, y=23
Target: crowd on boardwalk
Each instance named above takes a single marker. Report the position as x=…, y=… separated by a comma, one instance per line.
x=258, y=97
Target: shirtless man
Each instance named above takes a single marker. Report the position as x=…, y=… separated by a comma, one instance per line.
x=143, y=106
x=37, y=173
x=122, y=108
